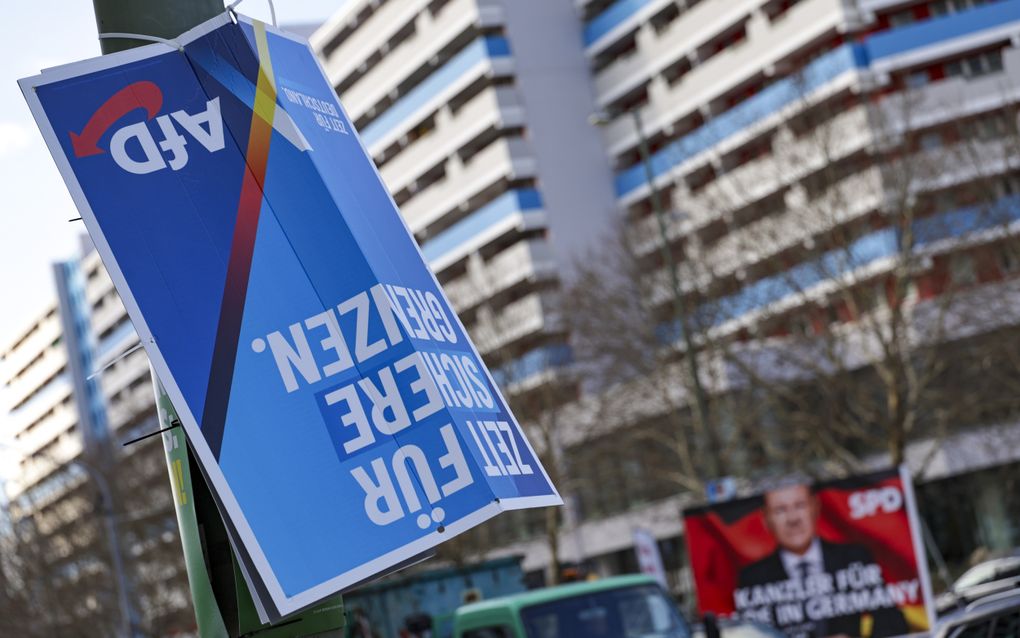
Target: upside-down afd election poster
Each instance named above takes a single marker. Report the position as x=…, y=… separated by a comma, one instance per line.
x=334, y=402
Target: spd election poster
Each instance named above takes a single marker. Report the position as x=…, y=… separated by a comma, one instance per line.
x=839, y=558
x=341, y=415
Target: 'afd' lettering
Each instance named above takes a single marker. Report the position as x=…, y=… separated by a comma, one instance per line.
x=134, y=147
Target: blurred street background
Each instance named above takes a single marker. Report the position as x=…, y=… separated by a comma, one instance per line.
x=702, y=244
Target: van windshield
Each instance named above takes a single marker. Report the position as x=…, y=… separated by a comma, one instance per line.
x=643, y=611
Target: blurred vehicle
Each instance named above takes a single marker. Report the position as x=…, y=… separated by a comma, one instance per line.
x=618, y=607
x=386, y=605
x=994, y=616
x=984, y=579
x=729, y=628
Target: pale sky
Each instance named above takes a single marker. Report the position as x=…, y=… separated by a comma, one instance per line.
x=34, y=230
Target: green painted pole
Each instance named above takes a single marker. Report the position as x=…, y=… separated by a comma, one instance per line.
x=207, y=611
x=160, y=19
x=157, y=18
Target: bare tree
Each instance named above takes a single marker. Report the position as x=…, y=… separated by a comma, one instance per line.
x=57, y=578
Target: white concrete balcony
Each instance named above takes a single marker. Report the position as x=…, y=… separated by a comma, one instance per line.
x=526, y=260
x=67, y=449
x=39, y=404
x=608, y=26
x=494, y=107
x=41, y=338
x=767, y=44
x=851, y=198
x=101, y=283
x=98, y=287
x=36, y=376
x=123, y=373
x=379, y=28
x=528, y=315
x=657, y=51
x=504, y=158
x=952, y=98
x=48, y=429
x=792, y=159
x=484, y=58
x=112, y=313
x=414, y=52
x=126, y=408
x=515, y=211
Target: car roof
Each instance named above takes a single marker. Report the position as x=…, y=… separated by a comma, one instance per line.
x=559, y=592
x=1011, y=559
x=999, y=599
x=1003, y=606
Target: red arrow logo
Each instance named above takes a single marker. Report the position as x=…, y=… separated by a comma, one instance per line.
x=140, y=95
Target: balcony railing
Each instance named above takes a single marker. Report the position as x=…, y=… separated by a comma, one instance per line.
x=401, y=115
x=524, y=260
x=859, y=254
x=493, y=108
x=503, y=213
x=998, y=17
x=744, y=115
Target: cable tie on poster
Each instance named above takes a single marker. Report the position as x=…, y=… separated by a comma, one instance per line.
x=141, y=36
x=113, y=361
x=176, y=423
x=272, y=9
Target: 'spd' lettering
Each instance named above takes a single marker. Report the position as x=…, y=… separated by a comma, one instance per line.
x=869, y=502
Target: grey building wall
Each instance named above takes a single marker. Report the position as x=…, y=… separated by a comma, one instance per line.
x=554, y=81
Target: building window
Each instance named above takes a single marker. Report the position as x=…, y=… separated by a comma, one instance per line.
x=1009, y=261
x=944, y=7
x=901, y=18
x=976, y=65
x=677, y=70
x=665, y=18
x=917, y=79
x=961, y=268
x=1007, y=186
x=930, y=141
x=779, y=8
x=800, y=325
x=987, y=127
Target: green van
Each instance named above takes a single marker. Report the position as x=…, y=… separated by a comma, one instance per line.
x=618, y=607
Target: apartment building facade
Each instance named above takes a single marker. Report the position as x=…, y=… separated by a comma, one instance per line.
x=74, y=388
x=777, y=130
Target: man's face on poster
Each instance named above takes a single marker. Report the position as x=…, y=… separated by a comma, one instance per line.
x=791, y=514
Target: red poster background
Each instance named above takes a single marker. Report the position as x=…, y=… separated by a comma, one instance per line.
x=724, y=538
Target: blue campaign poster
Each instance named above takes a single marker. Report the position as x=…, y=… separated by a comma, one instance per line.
x=334, y=400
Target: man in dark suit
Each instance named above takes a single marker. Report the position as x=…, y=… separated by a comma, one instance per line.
x=791, y=515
